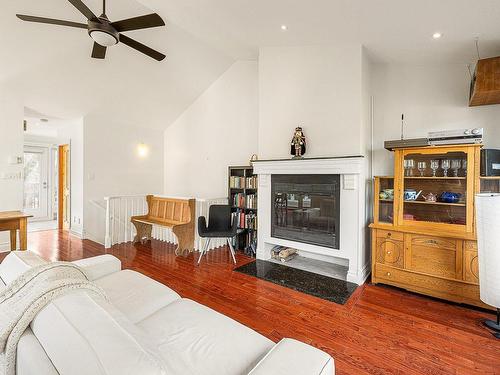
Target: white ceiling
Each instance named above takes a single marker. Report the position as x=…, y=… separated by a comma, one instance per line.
x=51, y=69
x=392, y=30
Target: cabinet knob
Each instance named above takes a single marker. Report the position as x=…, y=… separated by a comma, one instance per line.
x=388, y=274
x=389, y=234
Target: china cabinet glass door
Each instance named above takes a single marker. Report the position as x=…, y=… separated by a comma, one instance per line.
x=384, y=200
x=435, y=187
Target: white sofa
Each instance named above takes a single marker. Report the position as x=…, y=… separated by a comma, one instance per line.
x=146, y=328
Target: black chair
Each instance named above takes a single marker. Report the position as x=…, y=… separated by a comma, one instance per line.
x=220, y=225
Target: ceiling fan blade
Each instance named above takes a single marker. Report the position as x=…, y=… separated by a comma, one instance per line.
x=78, y=4
x=98, y=51
x=51, y=21
x=141, y=48
x=136, y=23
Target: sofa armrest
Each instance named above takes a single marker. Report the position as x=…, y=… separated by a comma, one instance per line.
x=292, y=357
x=100, y=266
x=18, y=262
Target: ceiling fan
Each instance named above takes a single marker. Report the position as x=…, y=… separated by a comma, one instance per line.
x=106, y=33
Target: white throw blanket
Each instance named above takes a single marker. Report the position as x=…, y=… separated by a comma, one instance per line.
x=26, y=296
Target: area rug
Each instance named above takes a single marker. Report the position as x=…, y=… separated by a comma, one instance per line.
x=328, y=288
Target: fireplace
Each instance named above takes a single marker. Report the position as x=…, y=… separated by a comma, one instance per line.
x=316, y=206
x=305, y=208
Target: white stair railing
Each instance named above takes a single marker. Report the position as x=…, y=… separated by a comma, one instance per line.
x=119, y=229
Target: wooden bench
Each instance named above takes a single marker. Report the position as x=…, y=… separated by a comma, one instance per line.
x=177, y=214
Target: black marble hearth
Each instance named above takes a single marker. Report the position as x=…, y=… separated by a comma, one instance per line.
x=328, y=288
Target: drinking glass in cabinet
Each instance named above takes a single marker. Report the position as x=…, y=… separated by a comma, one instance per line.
x=434, y=166
x=455, y=165
x=464, y=166
x=409, y=164
x=422, y=166
x=445, y=164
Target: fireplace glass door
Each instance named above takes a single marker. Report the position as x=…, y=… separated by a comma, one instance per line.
x=305, y=208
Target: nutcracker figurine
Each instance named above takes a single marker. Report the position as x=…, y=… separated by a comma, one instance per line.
x=298, y=144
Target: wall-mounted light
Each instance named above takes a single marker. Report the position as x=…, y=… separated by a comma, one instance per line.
x=142, y=150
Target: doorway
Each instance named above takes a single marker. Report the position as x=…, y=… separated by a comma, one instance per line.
x=36, y=182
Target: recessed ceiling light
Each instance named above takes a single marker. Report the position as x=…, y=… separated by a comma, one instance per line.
x=284, y=27
x=437, y=35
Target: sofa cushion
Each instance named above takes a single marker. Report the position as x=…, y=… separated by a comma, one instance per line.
x=135, y=295
x=99, y=266
x=194, y=339
x=83, y=334
x=292, y=357
x=31, y=358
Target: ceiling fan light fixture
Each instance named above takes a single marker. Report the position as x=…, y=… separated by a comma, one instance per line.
x=103, y=38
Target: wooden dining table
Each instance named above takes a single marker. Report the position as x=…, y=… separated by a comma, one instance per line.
x=14, y=221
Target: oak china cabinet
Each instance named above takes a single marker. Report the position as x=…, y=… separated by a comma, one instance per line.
x=423, y=234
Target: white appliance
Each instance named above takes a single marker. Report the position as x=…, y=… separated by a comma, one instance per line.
x=488, y=229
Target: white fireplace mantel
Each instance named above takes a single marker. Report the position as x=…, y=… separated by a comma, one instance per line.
x=353, y=250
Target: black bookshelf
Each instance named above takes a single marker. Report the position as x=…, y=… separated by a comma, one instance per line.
x=242, y=196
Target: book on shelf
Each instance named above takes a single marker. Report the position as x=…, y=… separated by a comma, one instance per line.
x=236, y=182
x=251, y=182
x=251, y=240
x=251, y=201
x=245, y=221
x=239, y=200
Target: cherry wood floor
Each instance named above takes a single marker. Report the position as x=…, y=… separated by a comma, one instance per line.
x=381, y=330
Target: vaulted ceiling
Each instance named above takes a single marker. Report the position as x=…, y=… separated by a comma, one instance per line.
x=51, y=69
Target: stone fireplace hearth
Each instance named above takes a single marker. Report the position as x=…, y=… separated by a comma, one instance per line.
x=339, y=223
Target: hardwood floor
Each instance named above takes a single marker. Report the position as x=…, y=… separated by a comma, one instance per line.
x=381, y=330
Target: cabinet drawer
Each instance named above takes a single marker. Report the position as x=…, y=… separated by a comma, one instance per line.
x=389, y=251
x=434, y=256
x=448, y=289
x=396, y=236
x=434, y=242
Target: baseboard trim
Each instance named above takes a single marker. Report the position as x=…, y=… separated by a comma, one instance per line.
x=76, y=234
x=367, y=269
x=361, y=279
x=76, y=231
x=90, y=237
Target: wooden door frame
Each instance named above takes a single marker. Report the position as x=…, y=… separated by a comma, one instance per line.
x=62, y=200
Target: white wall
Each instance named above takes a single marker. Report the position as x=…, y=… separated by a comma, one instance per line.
x=432, y=98
x=219, y=129
x=11, y=144
x=111, y=166
x=316, y=87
